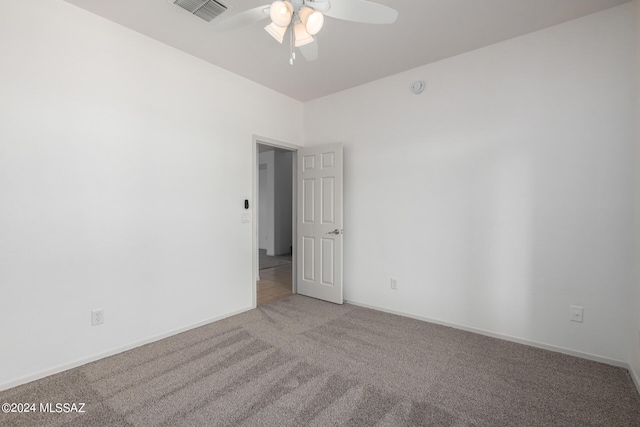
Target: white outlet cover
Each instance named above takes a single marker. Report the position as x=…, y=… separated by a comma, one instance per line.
x=97, y=317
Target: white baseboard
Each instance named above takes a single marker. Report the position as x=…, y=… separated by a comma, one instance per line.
x=635, y=376
x=84, y=361
x=42, y=374
x=567, y=351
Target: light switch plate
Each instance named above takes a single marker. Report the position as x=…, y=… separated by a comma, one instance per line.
x=576, y=313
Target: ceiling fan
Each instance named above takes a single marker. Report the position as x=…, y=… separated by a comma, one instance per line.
x=303, y=19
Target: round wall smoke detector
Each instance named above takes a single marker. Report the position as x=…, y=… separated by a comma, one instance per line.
x=417, y=87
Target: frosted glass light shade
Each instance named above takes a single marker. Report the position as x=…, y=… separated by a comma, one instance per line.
x=302, y=37
x=312, y=20
x=281, y=13
x=276, y=31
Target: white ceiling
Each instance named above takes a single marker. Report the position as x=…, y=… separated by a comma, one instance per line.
x=351, y=54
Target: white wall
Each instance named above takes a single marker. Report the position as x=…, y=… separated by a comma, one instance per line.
x=283, y=203
x=266, y=182
x=635, y=291
x=275, y=199
x=123, y=168
x=501, y=195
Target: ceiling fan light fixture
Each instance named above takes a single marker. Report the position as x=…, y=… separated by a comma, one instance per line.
x=301, y=34
x=312, y=20
x=276, y=31
x=281, y=13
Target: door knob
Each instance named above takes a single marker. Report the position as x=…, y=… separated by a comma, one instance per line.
x=336, y=231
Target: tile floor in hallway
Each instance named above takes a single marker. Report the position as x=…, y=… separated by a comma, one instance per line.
x=274, y=284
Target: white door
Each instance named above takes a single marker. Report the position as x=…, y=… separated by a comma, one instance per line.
x=319, y=241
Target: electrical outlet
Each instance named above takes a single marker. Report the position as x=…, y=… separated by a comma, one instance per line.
x=576, y=313
x=97, y=317
x=394, y=284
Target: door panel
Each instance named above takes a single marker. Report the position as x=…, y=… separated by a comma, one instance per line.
x=320, y=239
x=307, y=259
x=308, y=197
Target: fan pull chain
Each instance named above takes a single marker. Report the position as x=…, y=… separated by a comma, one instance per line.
x=293, y=54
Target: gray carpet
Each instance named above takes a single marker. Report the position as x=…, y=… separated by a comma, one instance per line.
x=302, y=362
x=268, y=261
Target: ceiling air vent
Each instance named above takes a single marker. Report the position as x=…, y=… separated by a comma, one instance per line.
x=206, y=10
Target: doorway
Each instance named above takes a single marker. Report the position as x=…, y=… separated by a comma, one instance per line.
x=274, y=222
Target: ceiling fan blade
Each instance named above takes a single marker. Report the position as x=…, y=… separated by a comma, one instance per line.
x=243, y=19
x=310, y=51
x=362, y=11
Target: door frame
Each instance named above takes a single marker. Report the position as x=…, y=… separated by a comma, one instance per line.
x=255, y=214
